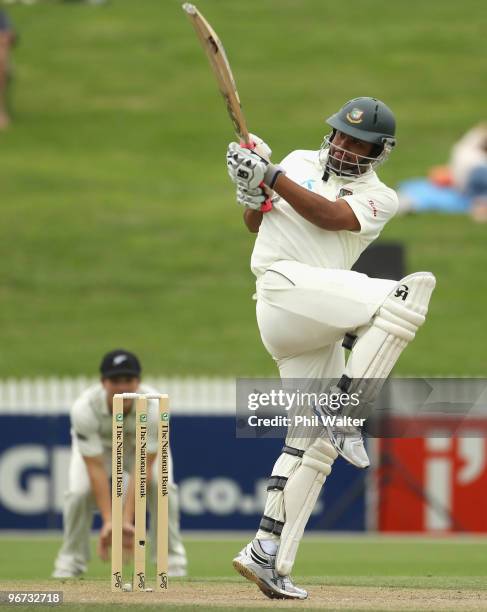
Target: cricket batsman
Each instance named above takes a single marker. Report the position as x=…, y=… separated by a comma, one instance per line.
x=90, y=470
x=328, y=206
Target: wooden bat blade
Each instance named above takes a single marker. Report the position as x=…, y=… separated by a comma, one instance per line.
x=221, y=68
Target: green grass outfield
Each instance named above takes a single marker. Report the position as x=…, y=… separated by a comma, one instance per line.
x=340, y=560
x=452, y=564
x=118, y=221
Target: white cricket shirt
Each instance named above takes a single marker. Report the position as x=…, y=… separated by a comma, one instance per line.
x=286, y=235
x=91, y=423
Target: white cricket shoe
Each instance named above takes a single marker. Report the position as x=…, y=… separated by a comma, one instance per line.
x=177, y=571
x=253, y=563
x=349, y=443
x=65, y=574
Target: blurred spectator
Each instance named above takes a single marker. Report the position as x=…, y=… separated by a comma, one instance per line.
x=468, y=166
x=7, y=40
x=459, y=187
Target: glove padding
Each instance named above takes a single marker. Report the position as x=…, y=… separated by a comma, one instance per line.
x=249, y=170
x=251, y=198
x=245, y=168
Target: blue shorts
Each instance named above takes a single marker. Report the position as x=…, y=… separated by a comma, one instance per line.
x=5, y=25
x=476, y=186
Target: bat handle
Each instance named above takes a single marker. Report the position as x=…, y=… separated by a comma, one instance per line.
x=247, y=145
x=267, y=205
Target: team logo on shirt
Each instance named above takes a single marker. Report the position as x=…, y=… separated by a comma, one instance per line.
x=308, y=184
x=355, y=115
x=344, y=192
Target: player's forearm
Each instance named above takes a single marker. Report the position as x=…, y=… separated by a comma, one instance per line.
x=101, y=489
x=314, y=208
x=253, y=219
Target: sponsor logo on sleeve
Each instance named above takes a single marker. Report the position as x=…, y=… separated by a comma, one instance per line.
x=373, y=207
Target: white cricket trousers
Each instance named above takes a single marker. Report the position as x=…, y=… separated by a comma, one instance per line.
x=304, y=312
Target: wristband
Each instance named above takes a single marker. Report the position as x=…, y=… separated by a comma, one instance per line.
x=271, y=174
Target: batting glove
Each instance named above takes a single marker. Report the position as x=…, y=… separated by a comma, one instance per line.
x=248, y=170
x=251, y=198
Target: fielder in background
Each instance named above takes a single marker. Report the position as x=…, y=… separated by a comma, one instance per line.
x=90, y=470
x=328, y=205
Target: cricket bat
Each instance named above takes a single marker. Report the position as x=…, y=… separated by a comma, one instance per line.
x=226, y=82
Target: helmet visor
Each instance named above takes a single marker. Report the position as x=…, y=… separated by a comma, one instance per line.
x=344, y=162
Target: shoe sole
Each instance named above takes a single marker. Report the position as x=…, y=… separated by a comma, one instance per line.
x=63, y=578
x=247, y=573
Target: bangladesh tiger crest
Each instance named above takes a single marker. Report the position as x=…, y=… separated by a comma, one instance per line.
x=355, y=115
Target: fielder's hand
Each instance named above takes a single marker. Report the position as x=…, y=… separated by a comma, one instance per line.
x=105, y=540
x=128, y=537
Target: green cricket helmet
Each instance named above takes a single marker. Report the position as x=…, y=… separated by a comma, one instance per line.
x=366, y=119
